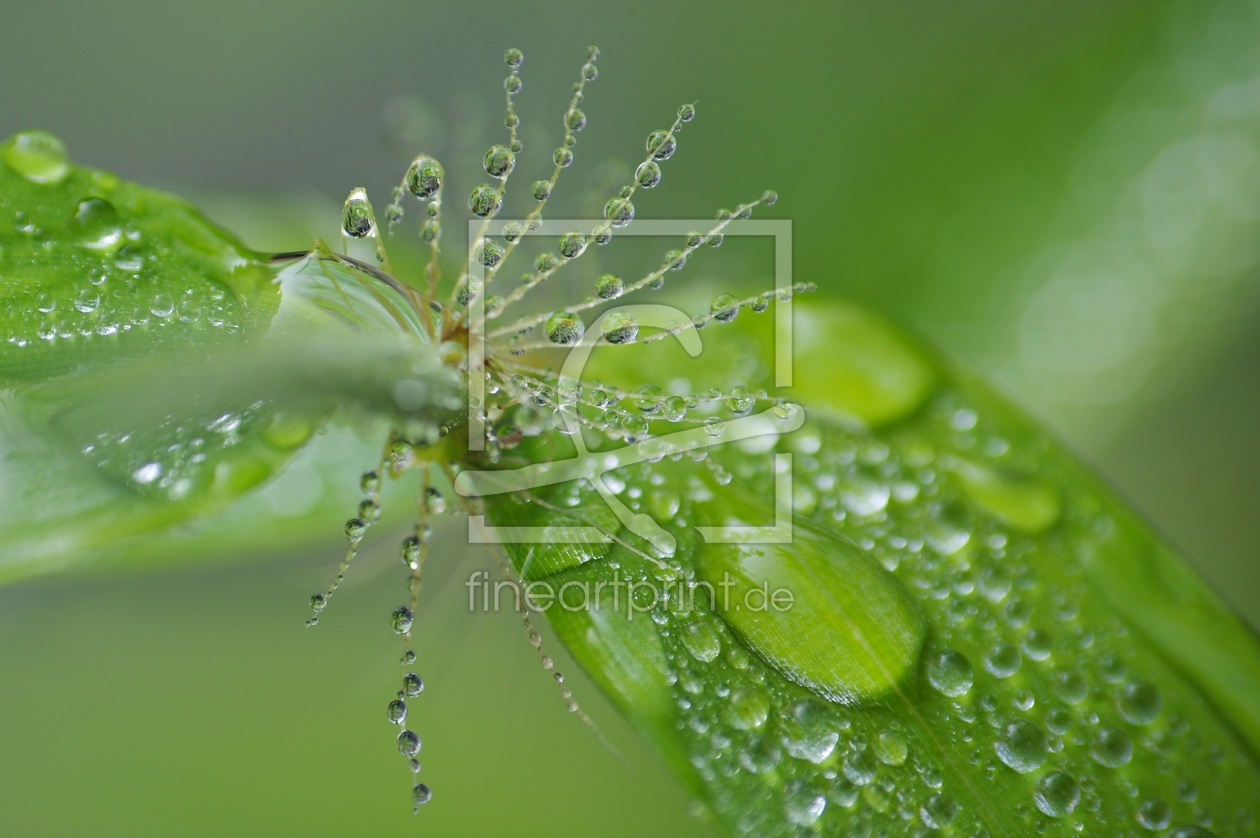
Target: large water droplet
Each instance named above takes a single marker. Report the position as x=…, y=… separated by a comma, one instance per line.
x=408, y=743
x=95, y=224
x=412, y=685
x=950, y=673
x=1022, y=746
x=620, y=327
x=661, y=145
x=890, y=747
x=572, y=245
x=648, y=174
x=609, y=287
x=702, y=642
x=1139, y=703
x=401, y=619
x=357, y=219
x=724, y=307
x=499, y=161
x=1057, y=794
x=485, y=201
x=37, y=156
x=424, y=177
x=850, y=632
x=938, y=811
x=1111, y=747
x=564, y=327
x=1003, y=660
x=1153, y=815
x=619, y=211
x=396, y=712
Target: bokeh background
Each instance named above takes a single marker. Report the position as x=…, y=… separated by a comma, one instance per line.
x=1064, y=195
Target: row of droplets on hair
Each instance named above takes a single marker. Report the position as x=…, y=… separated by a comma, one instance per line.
x=520, y=395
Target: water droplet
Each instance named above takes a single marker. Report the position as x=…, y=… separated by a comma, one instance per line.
x=714, y=427
x=408, y=743
x=485, y=201
x=740, y=400
x=1003, y=660
x=769, y=197
x=661, y=145
x=1111, y=747
x=1022, y=746
x=575, y=120
x=37, y=156
x=1057, y=794
x=843, y=607
x=401, y=619
x=609, y=287
x=318, y=602
x=619, y=211
x=1072, y=687
x=95, y=223
x=563, y=157
x=412, y=685
x=702, y=642
x=950, y=673
x=514, y=57
x=434, y=501
x=572, y=245
x=488, y=252
x=541, y=190
x=1139, y=703
x=648, y=174
x=1153, y=814
x=724, y=307
x=1037, y=644
x=802, y=805
x=938, y=811
x=512, y=84
x=564, y=327
x=421, y=795
x=87, y=300
x=860, y=767
x=686, y=113
x=891, y=747
x=354, y=530
x=499, y=161
x=635, y=427
x=396, y=712
x=424, y=177
x=747, y=709
x=410, y=552
x=620, y=327
x=357, y=219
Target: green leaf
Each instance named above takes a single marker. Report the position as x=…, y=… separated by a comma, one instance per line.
x=980, y=638
x=155, y=371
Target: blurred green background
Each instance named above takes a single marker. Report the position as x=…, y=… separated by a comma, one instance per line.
x=1064, y=195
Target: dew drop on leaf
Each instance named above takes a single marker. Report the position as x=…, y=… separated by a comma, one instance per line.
x=950, y=673
x=1022, y=746
x=1111, y=747
x=1139, y=703
x=37, y=156
x=1057, y=794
